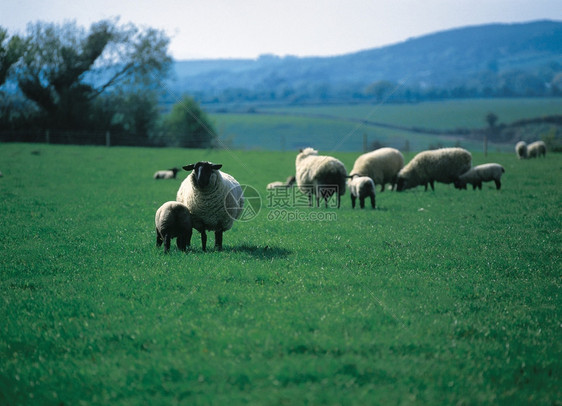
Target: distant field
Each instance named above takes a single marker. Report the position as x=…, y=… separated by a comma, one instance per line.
x=291, y=132
x=445, y=297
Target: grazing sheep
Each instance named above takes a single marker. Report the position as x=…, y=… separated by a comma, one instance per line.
x=287, y=184
x=173, y=220
x=442, y=165
x=381, y=165
x=481, y=173
x=536, y=149
x=320, y=175
x=521, y=149
x=361, y=187
x=168, y=174
x=214, y=199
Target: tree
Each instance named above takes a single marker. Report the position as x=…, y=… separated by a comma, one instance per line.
x=188, y=126
x=65, y=68
x=11, y=51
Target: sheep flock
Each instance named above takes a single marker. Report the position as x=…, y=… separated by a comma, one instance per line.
x=209, y=199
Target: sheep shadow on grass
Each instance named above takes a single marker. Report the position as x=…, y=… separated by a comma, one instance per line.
x=265, y=252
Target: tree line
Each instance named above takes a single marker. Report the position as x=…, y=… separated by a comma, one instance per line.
x=70, y=84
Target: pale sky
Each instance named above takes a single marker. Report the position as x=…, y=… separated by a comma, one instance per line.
x=249, y=28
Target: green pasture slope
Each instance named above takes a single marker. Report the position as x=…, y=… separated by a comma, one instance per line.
x=445, y=297
x=294, y=130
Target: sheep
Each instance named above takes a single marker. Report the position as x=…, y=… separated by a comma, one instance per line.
x=173, y=220
x=214, y=198
x=167, y=174
x=320, y=175
x=287, y=184
x=381, y=165
x=361, y=187
x=521, y=149
x=536, y=149
x=481, y=173
x=443, y=165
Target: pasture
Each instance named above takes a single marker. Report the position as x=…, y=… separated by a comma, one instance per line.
x=301, y=126
x=445, y=297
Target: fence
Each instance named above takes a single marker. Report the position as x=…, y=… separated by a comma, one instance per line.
x=105, y=138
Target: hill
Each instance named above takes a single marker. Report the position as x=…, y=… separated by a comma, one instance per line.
x=493, y=60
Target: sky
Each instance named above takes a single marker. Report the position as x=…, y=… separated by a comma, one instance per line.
x=248, y=28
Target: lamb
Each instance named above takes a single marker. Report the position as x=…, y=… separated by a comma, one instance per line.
x=536, y=149
x=361, y=187
x=167, y=174
x=214, y=198
x=287, y=184
x=320, y=175
x=381, y=165
x=481, y=173
x=443, y=165
x=173, y=220
x=521, y=149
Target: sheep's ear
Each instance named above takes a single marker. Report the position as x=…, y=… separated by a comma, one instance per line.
x=216, y=166
x=189, y=167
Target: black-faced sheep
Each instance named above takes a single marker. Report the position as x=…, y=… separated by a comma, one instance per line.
x=278, y=184
x=442, y=165
x=320, y=175
x=381, y=165
x=173, y=220
x=481, y=173
x=361, y=187
x=167, y=174
x=214, y=198
x=521, y=149
x=536, y=149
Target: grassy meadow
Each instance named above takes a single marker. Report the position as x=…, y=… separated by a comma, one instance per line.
x=445, y=297
x=291, y=132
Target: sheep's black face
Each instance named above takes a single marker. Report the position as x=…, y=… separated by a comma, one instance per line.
x=202, y=172
x=401, y=184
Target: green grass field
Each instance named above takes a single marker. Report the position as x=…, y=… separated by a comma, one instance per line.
x=445, y=297
x=273, y=132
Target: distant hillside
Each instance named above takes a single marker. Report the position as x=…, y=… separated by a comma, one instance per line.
x=489, y=60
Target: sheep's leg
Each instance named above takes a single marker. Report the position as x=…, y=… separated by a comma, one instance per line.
x=218, y=240
x=498, y=184
x=362, y=202
x=432, y=187
x=204, y=240
x=382, y=187
x=353, y=198
x=188, y=235
x=373, y=201
x=181, y=241
x=480, y=185
x=339, y=199
x=167, y=240
x=159, y=240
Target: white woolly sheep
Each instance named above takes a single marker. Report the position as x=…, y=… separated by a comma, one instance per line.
x=481, y=173
x=320, y=175
x=173, y=220
x=278, y=184
x=381, y=165
x=536, y=149
x=361, y=187
x=442, y=165
x=167, y=174
x=521, y=149
x=214, y=199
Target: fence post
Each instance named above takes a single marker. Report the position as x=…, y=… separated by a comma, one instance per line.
x=107, y=139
